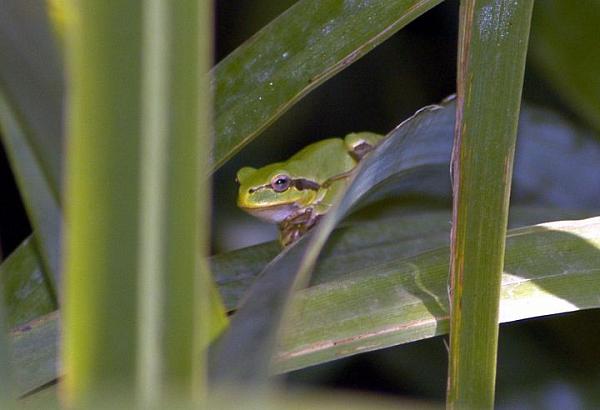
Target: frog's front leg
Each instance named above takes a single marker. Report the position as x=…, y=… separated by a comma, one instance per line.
x=298, y=224
x=293, y=227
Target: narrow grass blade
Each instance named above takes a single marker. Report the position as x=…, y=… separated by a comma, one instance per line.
x=31, y=80
x=137, y=204
x=36, y=189
x=102, y=204
x=31, y=93
x=294, y=54
x=493, y=39
x=175, y=312
x=564, y=47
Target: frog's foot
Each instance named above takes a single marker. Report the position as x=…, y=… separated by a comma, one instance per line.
x=361, y=143
x=294, y=227
x=289, y=236
x=361, y=150
x=302, y=217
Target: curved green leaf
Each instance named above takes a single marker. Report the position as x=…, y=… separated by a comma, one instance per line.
x=294, y=54
x=358, y=245
x=550, y=268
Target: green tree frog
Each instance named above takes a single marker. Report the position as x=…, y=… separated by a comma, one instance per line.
x=296, y=193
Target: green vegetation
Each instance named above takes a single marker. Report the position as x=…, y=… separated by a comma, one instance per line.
x=116, y=283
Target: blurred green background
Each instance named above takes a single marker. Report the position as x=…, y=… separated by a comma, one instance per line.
x=544, y=363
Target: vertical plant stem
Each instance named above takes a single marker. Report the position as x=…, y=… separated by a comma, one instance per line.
x=137, y=309
x=102, y=202
x=153, y=216
x=493, y=40
x=174, y=279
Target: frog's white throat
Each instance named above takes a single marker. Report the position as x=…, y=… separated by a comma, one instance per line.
x=273, y=214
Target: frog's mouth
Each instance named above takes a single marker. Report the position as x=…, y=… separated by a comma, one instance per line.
x=274, y=213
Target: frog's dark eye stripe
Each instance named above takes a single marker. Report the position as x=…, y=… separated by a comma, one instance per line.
x=281, y=183
x=302, y=184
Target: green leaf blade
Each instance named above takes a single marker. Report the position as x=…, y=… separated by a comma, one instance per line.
x=550, y=268
x=102, y=200
x=291, y=56
x=493, y=41
x=137, y=309
x=31, y=81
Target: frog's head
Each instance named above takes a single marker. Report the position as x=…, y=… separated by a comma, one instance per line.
x=271, y=193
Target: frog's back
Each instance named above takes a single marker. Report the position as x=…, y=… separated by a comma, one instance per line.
x=322, y=160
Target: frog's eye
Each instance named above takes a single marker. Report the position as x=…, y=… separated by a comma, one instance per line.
x=280, y=183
